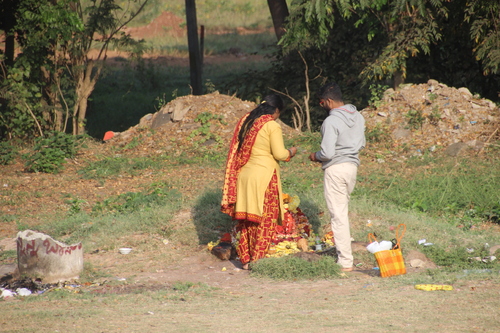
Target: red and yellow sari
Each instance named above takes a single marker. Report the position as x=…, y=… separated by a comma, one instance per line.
x=256, y=229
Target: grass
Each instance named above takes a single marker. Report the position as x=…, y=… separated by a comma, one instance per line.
x=115, y=166
x=257, y=43
x=463, y=190
x=224, y=14
x=293, y=268
x=121, y=215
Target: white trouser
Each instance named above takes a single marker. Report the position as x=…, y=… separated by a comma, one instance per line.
x=340, y=180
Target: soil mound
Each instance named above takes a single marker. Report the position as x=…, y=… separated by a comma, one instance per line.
x=430, y=116
x=189, y=120
x=415, y=118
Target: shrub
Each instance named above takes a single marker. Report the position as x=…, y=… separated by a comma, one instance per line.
x=7, y=153
x=50, y=153
x=293, y=268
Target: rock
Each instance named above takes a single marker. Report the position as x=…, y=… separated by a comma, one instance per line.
x=432, y=82
x=417, y=263
x=465, y=93
x=494, y=249
x=455, y=149
x=145, y=121
x=388, y=95
x=160, y=119
x=224, y=251
x=40, y=256
x=8, y=270
x=179, y=112
x=417, y=259
x=491, y=105
x=400, y=133
x=475, y=144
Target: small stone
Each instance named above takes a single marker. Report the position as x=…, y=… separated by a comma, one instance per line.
x=417, y=263
x=432, y=82
x=455, y=149
x=465, y=93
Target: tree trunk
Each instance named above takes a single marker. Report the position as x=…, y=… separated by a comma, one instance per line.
x=7, y=23
x=279, y=13
x=194, y=47
x=9, y=50
x=86, y=81
x=398, y=79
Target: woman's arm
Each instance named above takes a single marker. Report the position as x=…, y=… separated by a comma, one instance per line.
x=278, y=149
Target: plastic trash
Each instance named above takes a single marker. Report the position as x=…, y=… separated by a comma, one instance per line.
x=385, y=245
x=7, y=293
x=374, y=247
x=23, y=291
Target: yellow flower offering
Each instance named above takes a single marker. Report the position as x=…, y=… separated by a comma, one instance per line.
x=211, y=245
x=294, y=204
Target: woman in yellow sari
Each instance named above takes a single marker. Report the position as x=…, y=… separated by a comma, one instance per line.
x=252, y=187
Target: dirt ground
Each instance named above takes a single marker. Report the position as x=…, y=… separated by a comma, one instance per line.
x=28, y=198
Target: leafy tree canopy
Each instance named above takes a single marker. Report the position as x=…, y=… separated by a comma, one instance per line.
x=401, y=29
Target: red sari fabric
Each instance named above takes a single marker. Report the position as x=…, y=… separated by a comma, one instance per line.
x=255, y=237
x=256, y=232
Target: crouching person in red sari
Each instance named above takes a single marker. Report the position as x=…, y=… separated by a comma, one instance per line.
x=252, y=187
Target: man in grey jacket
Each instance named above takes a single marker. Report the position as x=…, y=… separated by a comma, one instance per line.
x=343, y=136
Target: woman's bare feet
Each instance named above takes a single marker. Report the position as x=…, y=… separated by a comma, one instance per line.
x=245, y=266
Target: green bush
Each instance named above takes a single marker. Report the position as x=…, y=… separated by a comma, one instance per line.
x=7, y=153
x=50, y=153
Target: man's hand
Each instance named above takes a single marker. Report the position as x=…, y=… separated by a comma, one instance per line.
x=312, y=157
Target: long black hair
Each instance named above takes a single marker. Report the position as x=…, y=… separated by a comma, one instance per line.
x=267, y=106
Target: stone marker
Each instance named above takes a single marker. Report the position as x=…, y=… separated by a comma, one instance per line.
x=40, y=256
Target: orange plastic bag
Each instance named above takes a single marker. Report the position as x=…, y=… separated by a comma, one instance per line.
x=391, y=262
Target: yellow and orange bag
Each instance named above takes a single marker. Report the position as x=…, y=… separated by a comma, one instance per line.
x=391, y=262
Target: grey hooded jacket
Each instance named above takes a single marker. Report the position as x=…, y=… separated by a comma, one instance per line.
x=343, y=136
